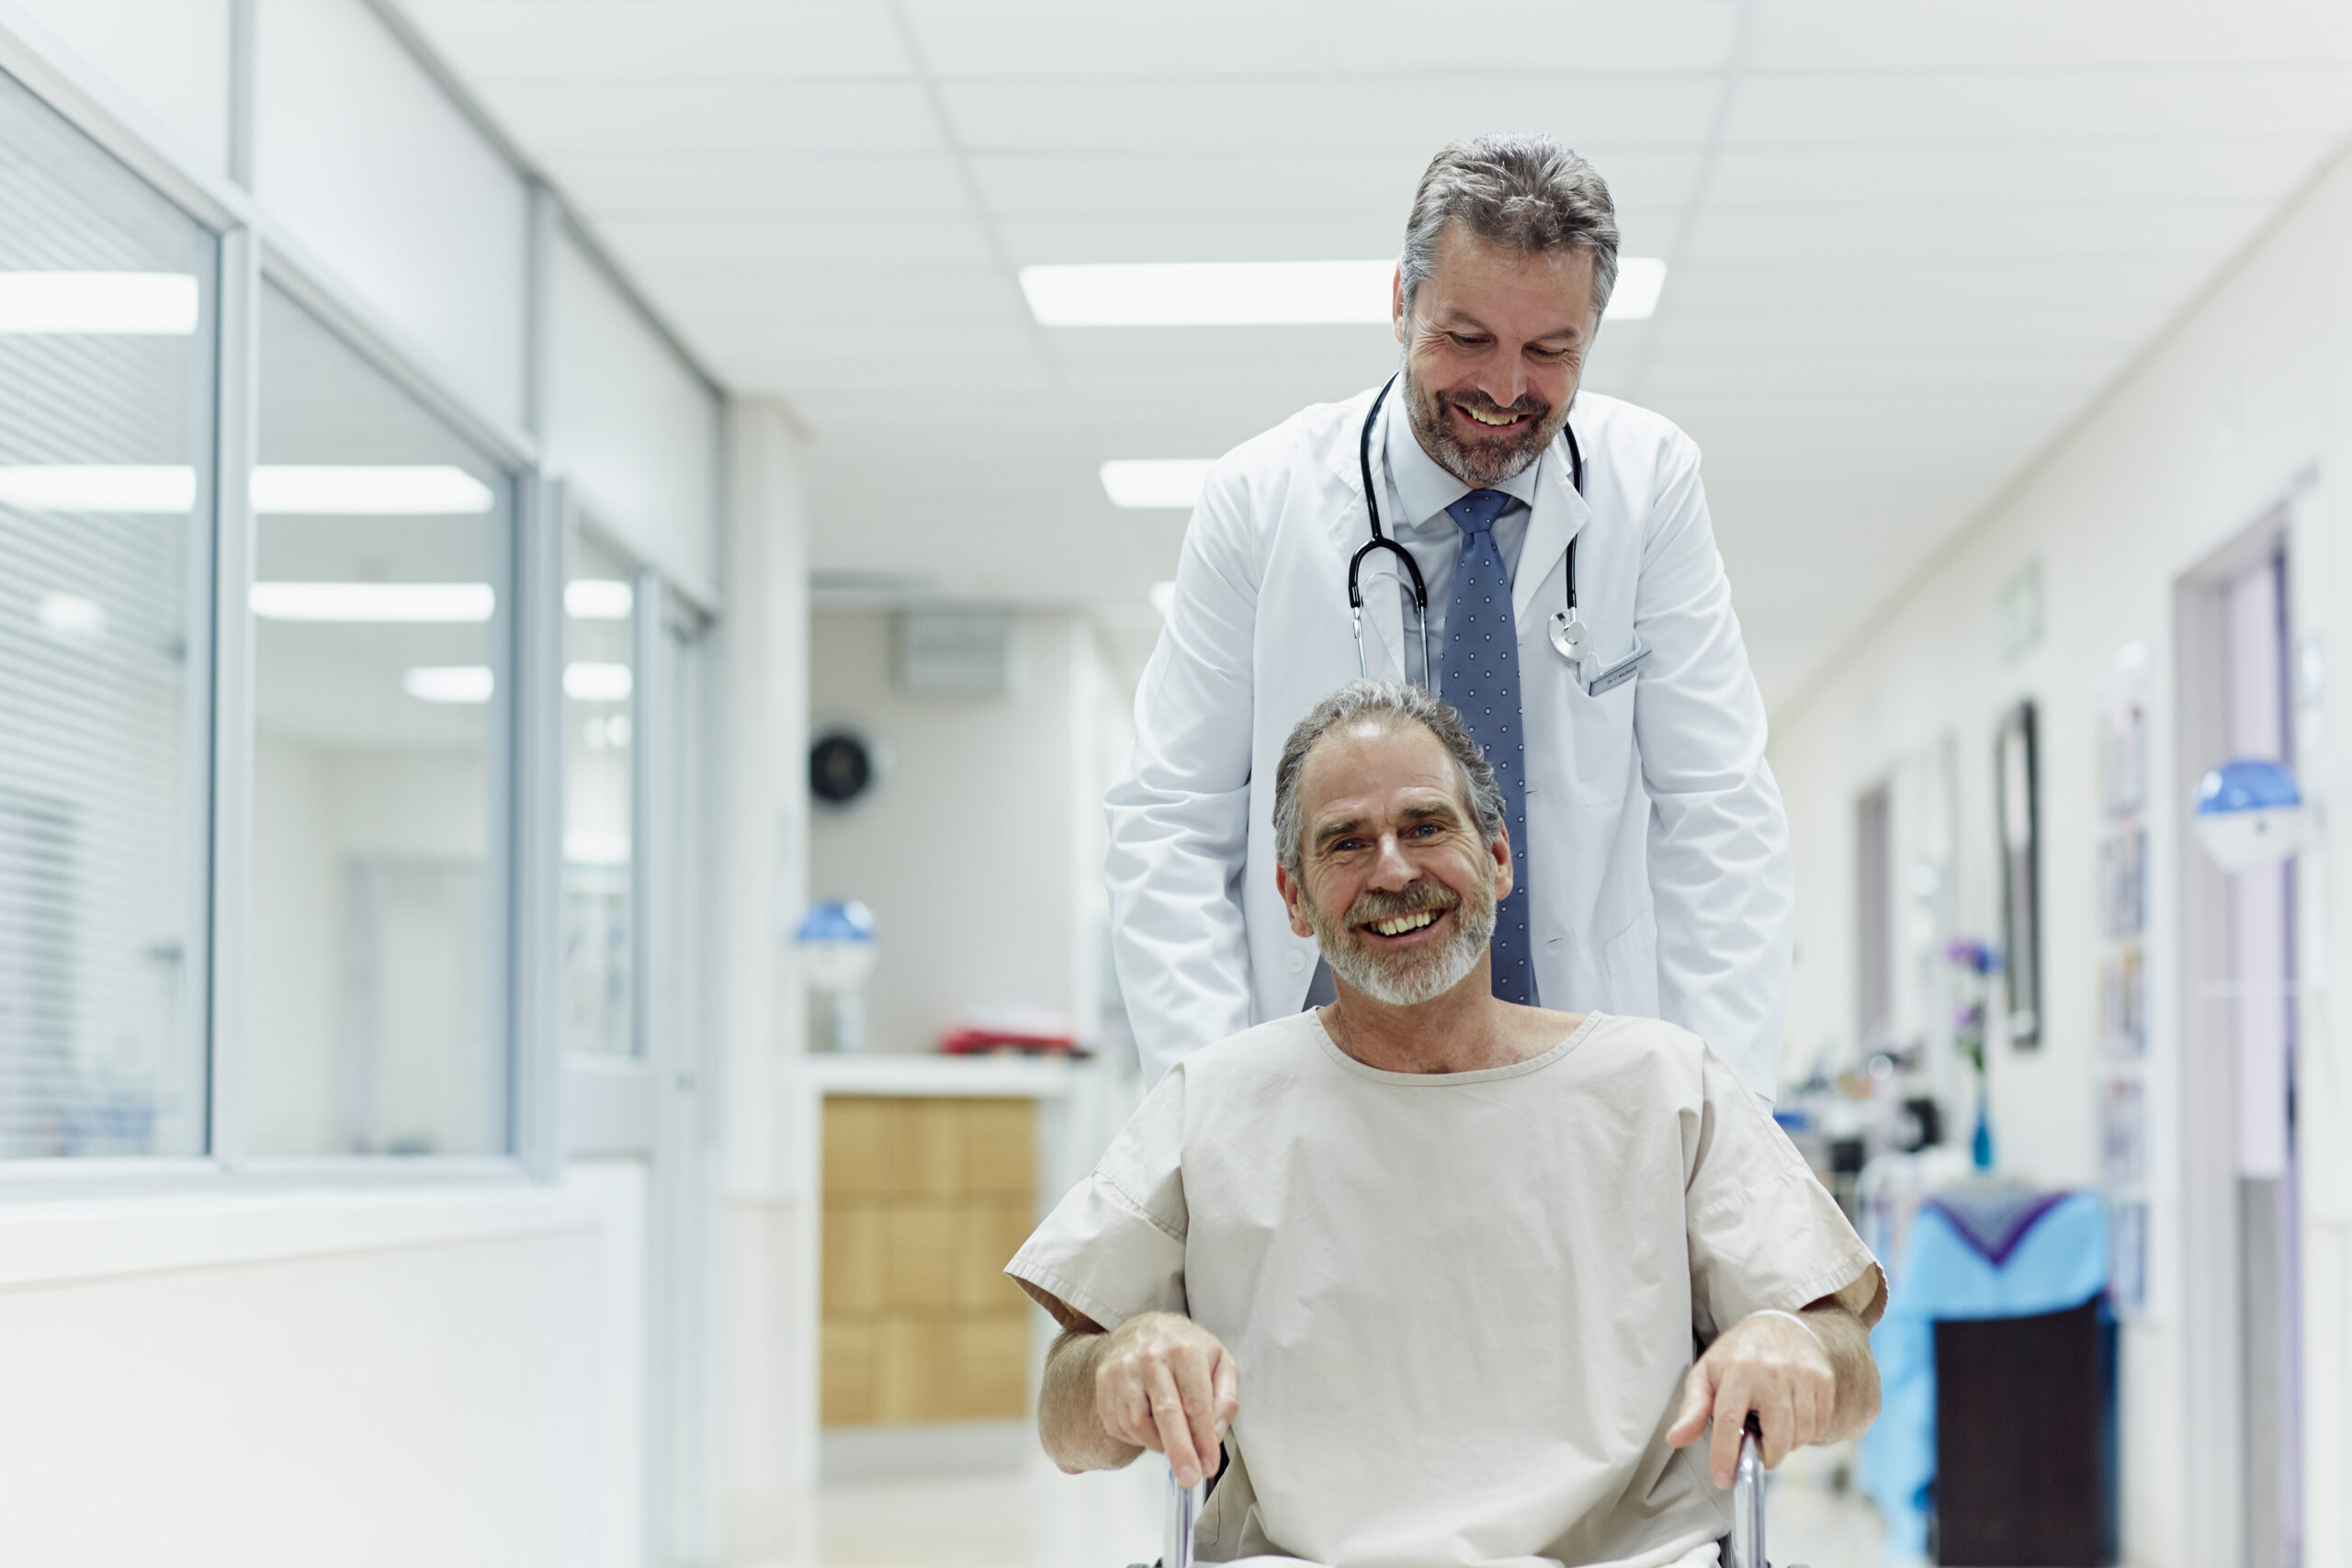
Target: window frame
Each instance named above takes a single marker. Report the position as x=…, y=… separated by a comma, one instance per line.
x=250, y=254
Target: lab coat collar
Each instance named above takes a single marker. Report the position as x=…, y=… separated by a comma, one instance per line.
x=1558, y=515
x=1384, y=607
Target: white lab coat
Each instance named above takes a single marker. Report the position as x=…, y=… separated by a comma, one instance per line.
x=1658, y=847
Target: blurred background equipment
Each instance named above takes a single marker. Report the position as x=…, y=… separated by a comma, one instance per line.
x=838, y=951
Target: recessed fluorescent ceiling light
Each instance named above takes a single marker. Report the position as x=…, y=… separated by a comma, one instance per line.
x=597, y=599
x=596, y=683
x=415, y=603
x=136, y=304
x=1210, y=294
x=449, y=683
x=1155, y=481
x=1640, y=280
x=425, y=490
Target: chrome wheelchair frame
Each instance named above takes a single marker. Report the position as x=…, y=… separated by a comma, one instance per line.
x=1743, y=1548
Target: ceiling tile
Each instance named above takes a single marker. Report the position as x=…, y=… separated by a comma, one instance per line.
x=2144, y=168
x=1831, y=288
x=694, y=39
x=1912, y=232
x=1083, y=38
x=1952, y=35
x=1278, y=236
x=630, y=184
x=825, y=337
x=1041, y=40
x=1245, y=184
x=1988, y=108
x=680, y=247
x=882, y=296
x=554, y=117
x=1564, y=34
x=1355, y=115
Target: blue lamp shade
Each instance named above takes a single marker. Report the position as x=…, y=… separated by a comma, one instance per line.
x=2250, y=813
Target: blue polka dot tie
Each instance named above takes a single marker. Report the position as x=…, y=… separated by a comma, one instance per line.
x=1481, y=680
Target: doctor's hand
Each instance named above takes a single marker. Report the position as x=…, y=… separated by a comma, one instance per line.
x=1768, y=1363
x=1167, y=1383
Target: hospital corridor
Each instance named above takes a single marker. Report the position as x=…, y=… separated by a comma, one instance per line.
x=1077, y=783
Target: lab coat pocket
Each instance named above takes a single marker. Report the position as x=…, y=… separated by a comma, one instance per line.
x=1600, y=742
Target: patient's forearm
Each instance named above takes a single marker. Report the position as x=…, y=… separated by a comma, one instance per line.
x=1068, y=1422
x=1847, y=1344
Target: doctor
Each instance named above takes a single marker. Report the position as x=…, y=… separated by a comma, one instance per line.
x=1569, y=600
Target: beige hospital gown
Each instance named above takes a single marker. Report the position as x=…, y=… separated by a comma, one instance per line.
x=1463, y=1304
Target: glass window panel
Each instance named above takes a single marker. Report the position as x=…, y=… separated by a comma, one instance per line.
x=599, y=796
x=105, y=366
x=380, y=605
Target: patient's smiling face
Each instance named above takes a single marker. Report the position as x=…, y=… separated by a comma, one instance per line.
x=1399, y=888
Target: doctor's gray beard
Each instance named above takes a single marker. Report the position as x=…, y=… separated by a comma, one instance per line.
x=1405, y=979
x=1480, y=463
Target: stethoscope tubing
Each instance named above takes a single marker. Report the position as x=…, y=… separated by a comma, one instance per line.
x=1380, y=541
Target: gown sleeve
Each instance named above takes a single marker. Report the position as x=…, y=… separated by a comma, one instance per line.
x=1113, y=1247
x=1764, y=1232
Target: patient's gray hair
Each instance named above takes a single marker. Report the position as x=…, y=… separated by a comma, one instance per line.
x=1391, y=704
x=1525, y=191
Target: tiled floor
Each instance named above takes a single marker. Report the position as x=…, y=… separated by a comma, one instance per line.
x=1040, y=1519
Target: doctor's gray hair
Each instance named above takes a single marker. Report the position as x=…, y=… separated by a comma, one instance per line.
x=1390, y=705
x=1526, y=191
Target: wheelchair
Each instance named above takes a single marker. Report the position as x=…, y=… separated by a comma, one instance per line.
x=1744, y=1548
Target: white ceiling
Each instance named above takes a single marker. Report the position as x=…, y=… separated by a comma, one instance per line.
x=1908, y=241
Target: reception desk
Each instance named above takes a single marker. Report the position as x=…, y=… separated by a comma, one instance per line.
x=933, y=1170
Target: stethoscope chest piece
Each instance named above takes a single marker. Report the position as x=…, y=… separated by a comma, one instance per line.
x=1569, y=634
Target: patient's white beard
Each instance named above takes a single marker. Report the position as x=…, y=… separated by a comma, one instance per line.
x=1408, y=980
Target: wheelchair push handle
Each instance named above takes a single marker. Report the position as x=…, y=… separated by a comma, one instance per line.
x=1745, y=1546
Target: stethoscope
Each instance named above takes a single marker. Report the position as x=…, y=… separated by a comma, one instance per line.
x=1567, y=629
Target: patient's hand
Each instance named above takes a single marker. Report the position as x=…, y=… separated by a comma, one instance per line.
x=1168, y=1384
x=1808, y=1383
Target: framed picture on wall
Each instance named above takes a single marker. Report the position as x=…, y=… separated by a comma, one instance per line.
x=2017, y=794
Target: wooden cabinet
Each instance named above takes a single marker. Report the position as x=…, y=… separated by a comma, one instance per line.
x=926, y=1199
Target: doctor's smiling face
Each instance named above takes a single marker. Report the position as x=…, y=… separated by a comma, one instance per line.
x=1495, y=342
x=1395, y=881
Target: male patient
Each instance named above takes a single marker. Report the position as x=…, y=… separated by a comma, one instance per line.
x=1435, y=1267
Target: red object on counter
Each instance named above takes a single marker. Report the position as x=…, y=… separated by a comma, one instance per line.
x=971, y=1042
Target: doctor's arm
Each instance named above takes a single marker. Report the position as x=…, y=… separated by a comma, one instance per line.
x=1178, y=813
x=1720, y=869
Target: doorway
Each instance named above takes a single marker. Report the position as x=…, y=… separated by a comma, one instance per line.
x=2240, y=1267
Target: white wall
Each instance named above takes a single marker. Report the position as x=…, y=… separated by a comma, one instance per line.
x=169, y=58
x=629, y=426
x=387, y=1379
x=2232, y=409
x=368, y=165
x=979, y=851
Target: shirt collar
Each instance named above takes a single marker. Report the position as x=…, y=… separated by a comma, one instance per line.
x=1423, y=488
